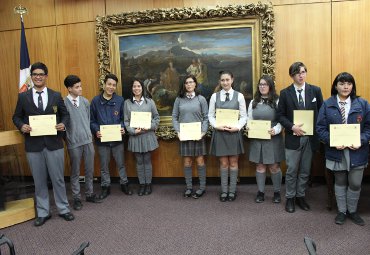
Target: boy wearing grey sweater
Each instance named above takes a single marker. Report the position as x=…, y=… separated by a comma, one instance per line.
x=79, y=141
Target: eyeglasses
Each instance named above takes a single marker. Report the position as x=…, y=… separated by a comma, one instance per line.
x=38, y=74
x=262, y=85
x=189, y=82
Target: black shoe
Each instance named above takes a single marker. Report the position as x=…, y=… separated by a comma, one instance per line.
x=188, y=192
x=289, y=206
x=277, y=197
x=260, y=197
x=355, y=218
x=301, y=202
x=93, y=199
x=199, y=193
x=223, y=197
x=126, y=189
x=231, y=196
x=340, y=219
x=77, y=204
x=105, y=191
x=41, y=220
x=67, y=216
x=148, y=189
x=141, y=190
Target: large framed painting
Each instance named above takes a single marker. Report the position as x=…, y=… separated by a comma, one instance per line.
x=161, y=47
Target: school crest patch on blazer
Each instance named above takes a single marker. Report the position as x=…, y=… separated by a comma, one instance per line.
x=55, y=108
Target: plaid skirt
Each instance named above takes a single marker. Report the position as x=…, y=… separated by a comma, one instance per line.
x=193, y=148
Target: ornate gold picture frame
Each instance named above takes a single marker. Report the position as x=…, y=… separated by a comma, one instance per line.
x=151, y=46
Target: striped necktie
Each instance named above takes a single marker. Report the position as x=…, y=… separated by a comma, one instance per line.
x=300, y=99
x=74, y=103
x=343, y=112
x=40, y=104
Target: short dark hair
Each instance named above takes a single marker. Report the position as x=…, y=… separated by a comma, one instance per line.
x=71, y=80
x=182, y=90
x=39, y=65
x=344, y=77
x=295, y=68
x=110, y=76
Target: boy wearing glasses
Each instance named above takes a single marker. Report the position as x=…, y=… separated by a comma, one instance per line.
x=45, y=154
x=298, y=146
x=79, y=141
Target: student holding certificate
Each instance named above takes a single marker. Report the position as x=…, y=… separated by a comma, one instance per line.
x=191, y=107
x=227, y=141
x=142, y=139
x=299, y=147
x=266, y=153
x=347, y=162
x=45, y=153
x=107, y=109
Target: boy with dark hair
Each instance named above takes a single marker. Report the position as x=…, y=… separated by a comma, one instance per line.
x=107, y=109
x=79, y=141
x=298, y=146
x=45, y=153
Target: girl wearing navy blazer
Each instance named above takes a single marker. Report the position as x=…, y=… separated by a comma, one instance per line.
x=347, y=163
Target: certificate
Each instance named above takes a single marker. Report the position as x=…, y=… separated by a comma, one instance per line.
x=304, y=117
x=259, y=129
x=345, y=135
x=190, y=131
x=43, y=125
x=110, y=133
x=141, y=120
x=227, y=117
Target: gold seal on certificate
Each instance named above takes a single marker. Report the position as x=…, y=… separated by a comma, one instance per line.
x=141, y=120
x=304, y=117
x=190, y=131
x=345, y=135
x=43, y=125
x=110, y=133
x=227, y=117
x=259, y=129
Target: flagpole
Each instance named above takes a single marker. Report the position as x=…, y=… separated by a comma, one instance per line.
x=25, y=82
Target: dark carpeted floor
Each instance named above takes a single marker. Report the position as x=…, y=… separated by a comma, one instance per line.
x=167, y=223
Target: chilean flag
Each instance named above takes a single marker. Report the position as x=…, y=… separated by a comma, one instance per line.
x=25, y=82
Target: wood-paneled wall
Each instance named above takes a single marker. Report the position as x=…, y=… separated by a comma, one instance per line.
x=329, y=36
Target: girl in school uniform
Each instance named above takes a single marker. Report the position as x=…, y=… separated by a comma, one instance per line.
x=189, y=107
x=142, y=141
x=227, y=141
x=266, y=153
x=347, y=163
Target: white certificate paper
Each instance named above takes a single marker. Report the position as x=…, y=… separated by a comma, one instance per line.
x=345, y=135
x=43, y=125
x=190, y=131
x=227, y=117
x=110, y=133
x=141, y=120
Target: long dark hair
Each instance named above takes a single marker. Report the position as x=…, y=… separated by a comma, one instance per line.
x=272, y=95
x=182, y=90
x=344, y=77
x=144, y=93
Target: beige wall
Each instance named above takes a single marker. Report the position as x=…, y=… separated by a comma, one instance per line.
x=328, y=36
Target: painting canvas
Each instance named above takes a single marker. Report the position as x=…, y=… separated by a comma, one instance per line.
x=162, y=60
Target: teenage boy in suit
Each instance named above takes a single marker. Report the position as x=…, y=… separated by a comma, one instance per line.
x=79, y=141
x=45, y=154
x=298, y=146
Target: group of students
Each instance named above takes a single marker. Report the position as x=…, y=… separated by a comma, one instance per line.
x=80, y=121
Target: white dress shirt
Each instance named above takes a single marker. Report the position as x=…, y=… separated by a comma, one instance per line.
x=347, y=106
x=302, y=93
x=44, y=97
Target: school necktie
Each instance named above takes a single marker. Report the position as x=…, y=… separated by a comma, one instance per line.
x=40, y=105
x=264, y=100
x=227, y=97
x=343, y=112
x=74, y=103
x=300, y=99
